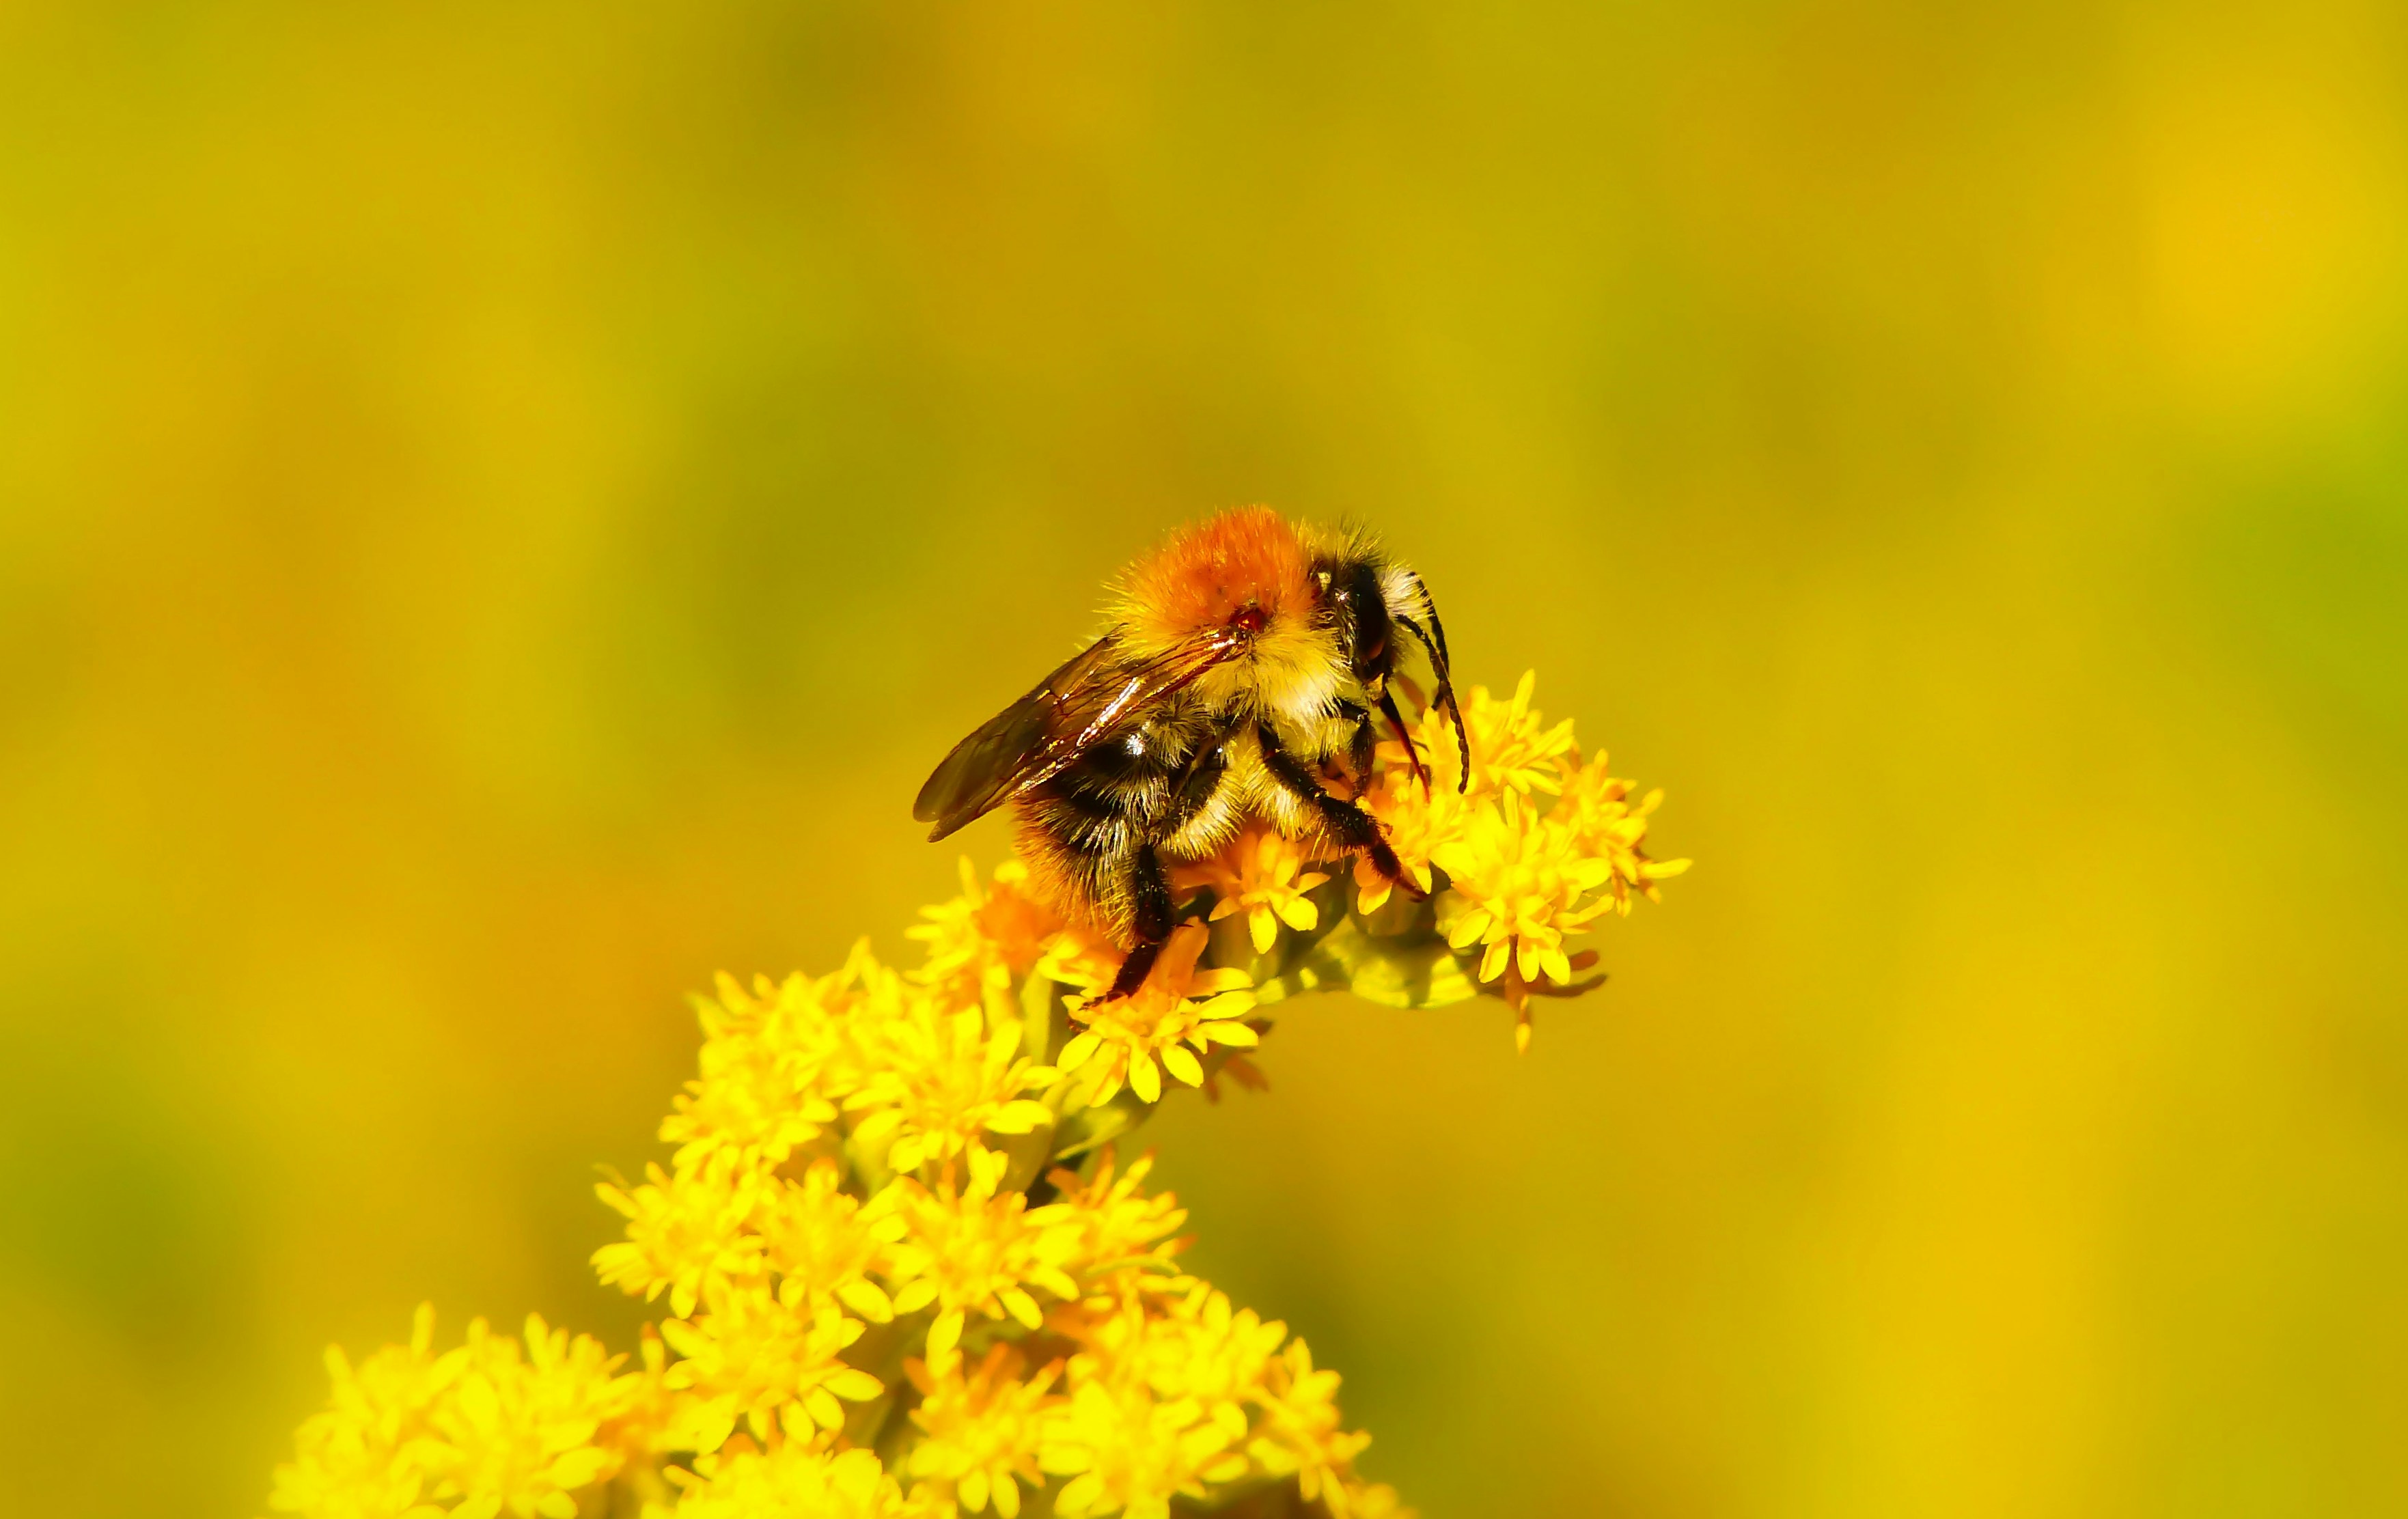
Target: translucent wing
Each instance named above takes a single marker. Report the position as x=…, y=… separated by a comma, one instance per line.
x=1096, y=694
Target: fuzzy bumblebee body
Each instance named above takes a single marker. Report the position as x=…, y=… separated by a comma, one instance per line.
x=1244, y=665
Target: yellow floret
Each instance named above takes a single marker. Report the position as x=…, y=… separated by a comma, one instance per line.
x=1129, y=1446
x=979, y=940
x=1521, y=879
x=826, y=1247
x=481, y=1429
x=972, y=1249
x=1262, y=874
x=938, y=1081
x=980, y=1431
x=1109, y=1222
x=793, y=1482
x=1511, y=751
x=688, y=1233
x=762, y=1062
x=751, y=1359
x=1299, y=1430
x=1179, y=1014
x=1596, y=809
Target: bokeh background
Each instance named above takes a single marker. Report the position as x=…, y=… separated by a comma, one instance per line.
x=501, y=504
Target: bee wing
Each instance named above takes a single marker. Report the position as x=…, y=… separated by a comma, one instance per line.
x=1095, y=693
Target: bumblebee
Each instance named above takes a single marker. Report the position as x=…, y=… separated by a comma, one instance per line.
x=1239, y=676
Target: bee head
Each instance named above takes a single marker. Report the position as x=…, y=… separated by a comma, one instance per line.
x=1368, y=602
x=1355, y=609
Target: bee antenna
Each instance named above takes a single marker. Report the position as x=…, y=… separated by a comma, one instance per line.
x=1444, y=696
x=1437, y=627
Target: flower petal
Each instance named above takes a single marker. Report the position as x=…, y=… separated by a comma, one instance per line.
x=1075, y=1054
x=945, y=1333
x=1021, y=1116
x=1491, y=963
x=1261, y=925
x=1227, y=1005
x=866, y=1298
x=854, y=1386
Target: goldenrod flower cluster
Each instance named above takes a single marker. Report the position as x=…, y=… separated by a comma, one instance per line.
x=902, y=1270
x=1521, y=876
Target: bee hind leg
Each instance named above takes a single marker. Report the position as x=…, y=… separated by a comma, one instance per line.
x=1153, y=913
x=1134, y=970
x=1150, y=913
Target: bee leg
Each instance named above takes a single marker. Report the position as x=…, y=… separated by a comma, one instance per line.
x=1194, y=785
x=1353, y=827
x=1444, y=696
x=1396, y=721
x=1151, y=911
x=1362, y=744
x=1134, y=970
x=1154, y=911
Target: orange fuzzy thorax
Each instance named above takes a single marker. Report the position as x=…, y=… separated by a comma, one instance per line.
x=1244, y=565
x=1208, y=573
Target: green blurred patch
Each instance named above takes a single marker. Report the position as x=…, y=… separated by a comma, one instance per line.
x=112, y=1198
x=2306, y=570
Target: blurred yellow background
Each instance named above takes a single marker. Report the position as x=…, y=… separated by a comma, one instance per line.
x=501, y=505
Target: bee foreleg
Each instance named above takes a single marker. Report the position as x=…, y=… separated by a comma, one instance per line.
x=1444, y=696
x=1396, y=721
x=1353, y=827
x=1362, y=745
